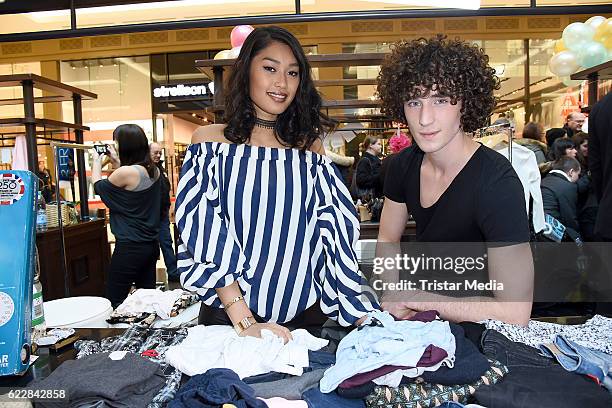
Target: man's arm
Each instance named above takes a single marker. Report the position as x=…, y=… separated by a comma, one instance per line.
x=513, y=267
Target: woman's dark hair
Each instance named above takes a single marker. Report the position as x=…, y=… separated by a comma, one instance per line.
x=559, y=147
x=553, y=134
x=298, y=126
x=452, y=68
x=134, y=147
x=578, y=139
x=368, y=141
x=533, y=130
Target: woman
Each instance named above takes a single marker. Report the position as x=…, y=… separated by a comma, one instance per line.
x=532, y=139
x=267, y=227
x=562, y=147
x=581, y=143
x=587, y=199
x=132, y=194
x=367, y=173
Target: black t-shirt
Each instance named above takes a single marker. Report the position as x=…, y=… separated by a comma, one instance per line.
x=134, y=215
x=484, y=203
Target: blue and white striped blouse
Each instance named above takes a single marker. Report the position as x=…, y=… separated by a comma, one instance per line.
x=279, y=221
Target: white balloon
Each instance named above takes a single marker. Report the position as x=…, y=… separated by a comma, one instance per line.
x=595, y=21
x=234, y=52
x=563, y=63
x=576, y=35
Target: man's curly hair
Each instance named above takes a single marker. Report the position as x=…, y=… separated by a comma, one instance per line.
x=302, y=123
x=452, y=68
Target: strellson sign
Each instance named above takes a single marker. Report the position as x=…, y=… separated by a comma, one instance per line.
x=181, y=90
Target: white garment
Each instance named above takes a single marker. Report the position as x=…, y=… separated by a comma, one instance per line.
x=20, y=155
x=207, y=347
x=564, y=174
x=526, y=167
x=149, y=301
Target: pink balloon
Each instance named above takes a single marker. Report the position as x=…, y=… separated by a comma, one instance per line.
x=239, y=34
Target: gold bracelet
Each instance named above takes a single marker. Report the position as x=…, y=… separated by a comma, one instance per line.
x=231, y=302
x=244, y=324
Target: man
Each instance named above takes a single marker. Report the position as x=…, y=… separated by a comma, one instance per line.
x=367, y=173
x=560, y=194
x=600, y=165
x=573, y=123
x=165, y=239
x=457, y=190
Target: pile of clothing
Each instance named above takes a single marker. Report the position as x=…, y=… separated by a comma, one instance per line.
x=144, y=306
x=145, y=342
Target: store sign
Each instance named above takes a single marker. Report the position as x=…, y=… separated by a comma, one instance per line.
x=181, y=90
x=569, y=105
x=65, y=156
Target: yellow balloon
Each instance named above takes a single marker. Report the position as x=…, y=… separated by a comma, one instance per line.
x=223, y=54
x=559, y=46
x=603, y=34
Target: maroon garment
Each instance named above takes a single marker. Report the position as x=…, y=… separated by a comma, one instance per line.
x=431, y=356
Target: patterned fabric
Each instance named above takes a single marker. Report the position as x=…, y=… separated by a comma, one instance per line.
x=280, y=222
x=426, y=395
x=138, y=339
x=595, y=334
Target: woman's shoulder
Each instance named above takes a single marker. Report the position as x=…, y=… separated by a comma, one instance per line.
x=209, y=133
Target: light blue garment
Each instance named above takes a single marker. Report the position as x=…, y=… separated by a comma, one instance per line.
x=388, y=342
x=581, y=360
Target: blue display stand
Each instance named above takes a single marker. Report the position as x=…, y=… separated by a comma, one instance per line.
x=17, y=262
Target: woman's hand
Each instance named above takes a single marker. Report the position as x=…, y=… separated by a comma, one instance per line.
x=113, y=156
x=278, y=330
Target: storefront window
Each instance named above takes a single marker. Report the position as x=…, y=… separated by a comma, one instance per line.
x=320, y=6
x=179, y=11
x=37, y=21
x=16, y=111
x=123, y=87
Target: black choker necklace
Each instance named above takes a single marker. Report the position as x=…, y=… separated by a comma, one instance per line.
x=266, y=124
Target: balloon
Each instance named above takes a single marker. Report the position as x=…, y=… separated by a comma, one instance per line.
x=592, y=54
x=223, y=54
x=595, y=21
x=604, y=34
x=234, y=52
x=239, y=34
x=576, y=35
x=559, y=46
x=563, y=63
x=567, y=81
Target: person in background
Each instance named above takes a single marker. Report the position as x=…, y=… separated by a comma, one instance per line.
x=165, y=238
x=587, y=199
x=533, y=134
x=501, y=119
x=573, y=123
x=132, y=195
x=397, y=143
x=45, y=183
x=553, y=134
x=368, y=168
x=562, y=147
x=560, y=194
x=600, y=164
